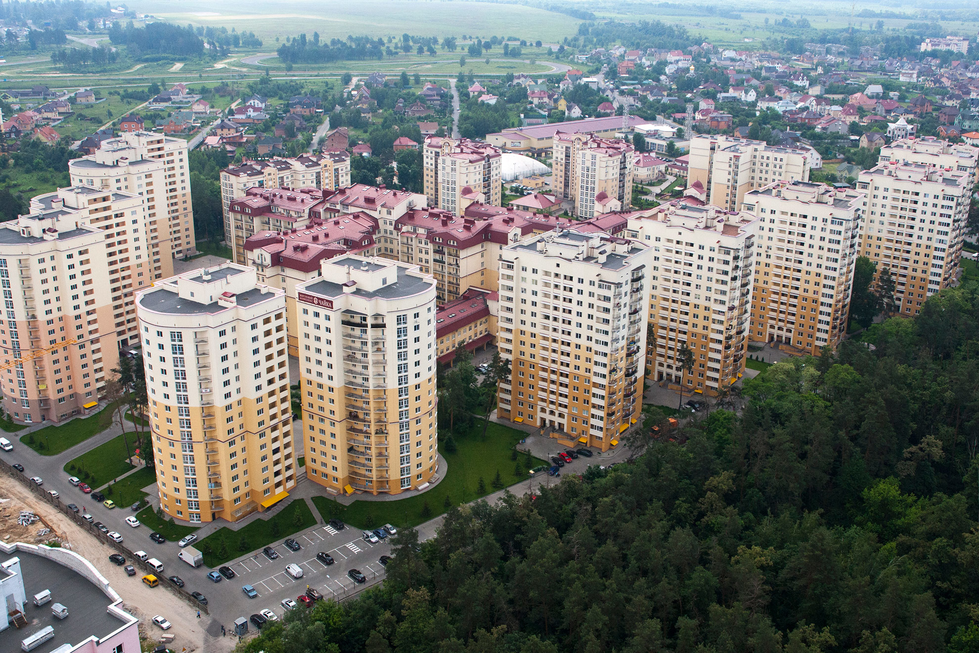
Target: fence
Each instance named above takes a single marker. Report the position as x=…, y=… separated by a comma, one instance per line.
x=98, y=534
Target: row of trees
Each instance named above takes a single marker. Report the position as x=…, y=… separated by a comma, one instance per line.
x=157, y=39
x=837, y=512
x=359, y=48
x=78, y=58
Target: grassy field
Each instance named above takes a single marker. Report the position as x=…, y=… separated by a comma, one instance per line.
x=152, y=521
x=52, y=440
x=368, y=18
x=970, y=271
x=30, y=183
x=10, y=427
x=88, y=119
x=225, y=544
x=752, y=364
x=205, y=247
x=103, y=463
x=130, y=489
x=474, y=459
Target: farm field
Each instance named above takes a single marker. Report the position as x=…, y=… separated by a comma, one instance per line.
x=371, y=18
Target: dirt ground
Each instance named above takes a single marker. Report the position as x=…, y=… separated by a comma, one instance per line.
x=190, y=634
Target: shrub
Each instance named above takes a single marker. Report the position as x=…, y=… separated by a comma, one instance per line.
x=426, y=511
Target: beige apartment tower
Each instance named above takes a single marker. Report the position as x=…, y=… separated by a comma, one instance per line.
x=808, y=242
x=156, y=167
x=368, y=384
x=931, y=151
x=217, y=378
x=700, y=293
x=914, y=222
x=460, y=172
x=572, y=324
x=56, y=335
x=727, y=168
x=594, y=173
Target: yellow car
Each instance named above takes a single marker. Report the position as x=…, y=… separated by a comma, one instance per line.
x=109, y=503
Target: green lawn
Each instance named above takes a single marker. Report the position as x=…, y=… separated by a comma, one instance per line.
x=152, y=521
x=52, y=440
x=752, y=364
x=474, y=459
x=225, y=544
x=130, y=489
x=9, y=426
x=103, y=463
x=970, y=271
x=206, y=247
x=133, y=420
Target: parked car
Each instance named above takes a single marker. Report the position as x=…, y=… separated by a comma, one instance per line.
x=214, y=577
x=390, y=529
x=130, y=570
x=313, y=594
x=141, y=556
x=161, y=622
x=268, y=614
x=249, y=591
x=98, y=496
x=176, y=580
x=114, y=536
x=102, y=527
x=325, y=558
x=84, y=488
x=136, y=506
x=336, y=524
x=554, y=471
x=73, y=480
x=18, y=467
x=187, y=541
x=292, y=544
x=37, y=480
x=132, y=521
x=109, y=503
x=54, y=494
x=384, y=560
x=294, y=570
x=288, y=604
x=270, y=553
x=370, y=537
x=356, y=576
x=157, y=537
x=381, y=534
x=200, y=598
x=227, y=572
x=305, y=600
x=557, y=461
x=587, y=453
x=117, y=559
x=258, y=620
x=565, y=457
x=72, y=507
x=572, y=453
x=87, y=517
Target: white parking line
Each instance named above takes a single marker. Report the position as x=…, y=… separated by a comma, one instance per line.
x=353, y=547
x=339, y=552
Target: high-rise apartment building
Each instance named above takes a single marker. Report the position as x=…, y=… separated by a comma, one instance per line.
x=572, y=323
x=217, y=379
x=273, y=209
x=458, y=172
x=594, y=173
x=914, y=221
x=700, y=293
x=727, y=167
x=170, y=214
x=367, y=366
x=122, y=218
x=808, y=239
x=58, y=311
x=932, y=151
x=327, y=171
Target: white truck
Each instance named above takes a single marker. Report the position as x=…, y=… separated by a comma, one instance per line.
x=191, y=556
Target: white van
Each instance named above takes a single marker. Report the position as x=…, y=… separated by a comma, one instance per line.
x=42, y=597
x=294, y=570
x=5, y=444
x=156, y=565
x=140, y=555
x=59, y=611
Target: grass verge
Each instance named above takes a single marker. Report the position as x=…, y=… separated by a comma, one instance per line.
x=752, y=364
x=205, y=248
x=129, y=490
x=225, y=544
x=474, y=459
x=103, y=463
x=152, y=521
x=52, y=440
x=10, y=427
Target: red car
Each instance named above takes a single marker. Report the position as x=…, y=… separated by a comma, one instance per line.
x=565, y=457
x=84, y=488
x=305, y=600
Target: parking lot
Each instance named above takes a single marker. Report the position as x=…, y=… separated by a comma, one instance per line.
x=349, y=550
